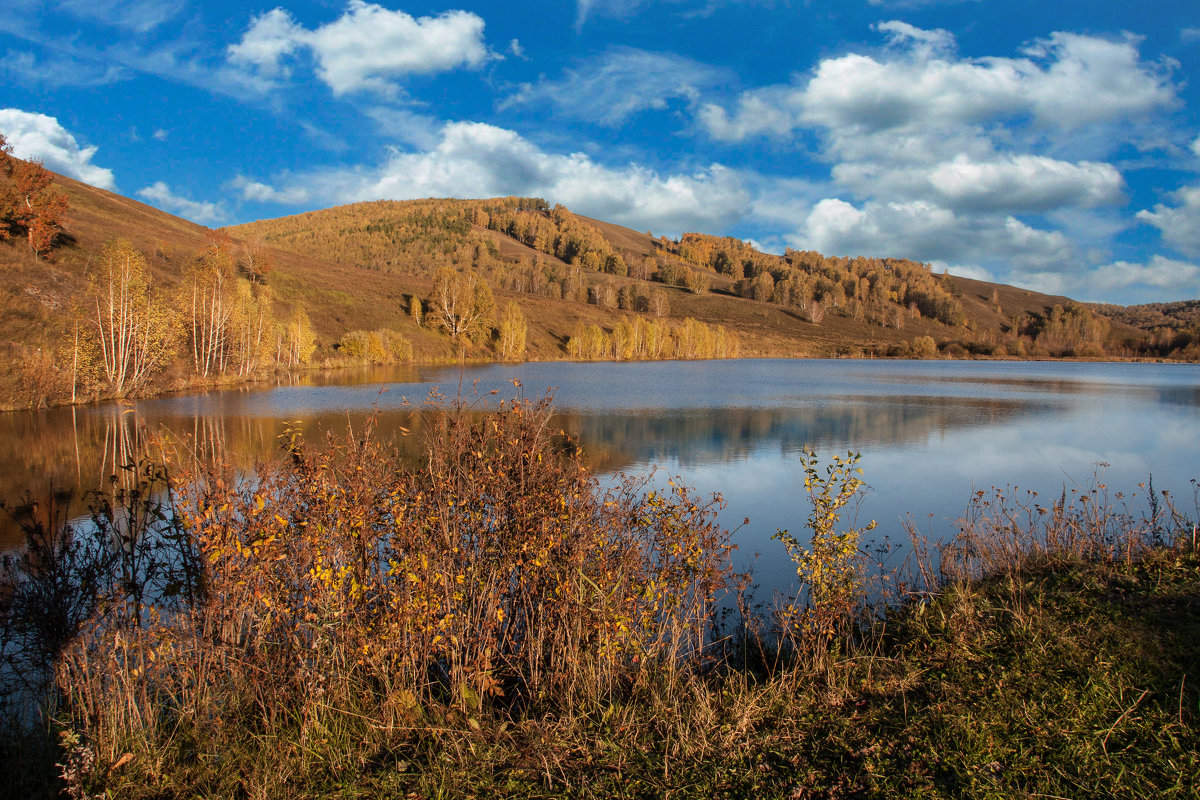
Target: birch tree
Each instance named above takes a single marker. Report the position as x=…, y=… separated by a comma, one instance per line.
x=131, y=335
x=462, y=304
x=513, y=332
x=251, y=321
x=209, y=296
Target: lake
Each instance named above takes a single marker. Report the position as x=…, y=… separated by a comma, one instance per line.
x=930, y=432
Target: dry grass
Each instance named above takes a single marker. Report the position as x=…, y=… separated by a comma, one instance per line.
x=491, y=624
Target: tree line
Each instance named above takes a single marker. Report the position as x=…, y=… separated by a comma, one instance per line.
x=217, y=322
x=644, y=339
x=880, y=291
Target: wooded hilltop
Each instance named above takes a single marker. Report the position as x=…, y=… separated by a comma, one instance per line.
x=108, y=297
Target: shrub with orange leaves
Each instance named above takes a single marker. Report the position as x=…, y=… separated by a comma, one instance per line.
x=342, y=581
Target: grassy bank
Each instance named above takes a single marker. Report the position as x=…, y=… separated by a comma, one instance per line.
x=492, y=624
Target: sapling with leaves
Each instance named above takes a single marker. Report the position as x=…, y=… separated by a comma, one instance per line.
x=831, y=566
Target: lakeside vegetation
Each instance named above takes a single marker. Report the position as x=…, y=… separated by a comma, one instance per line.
x=490, y=623
x=108, y=298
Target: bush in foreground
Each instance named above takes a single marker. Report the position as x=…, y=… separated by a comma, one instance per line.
x=491, y=623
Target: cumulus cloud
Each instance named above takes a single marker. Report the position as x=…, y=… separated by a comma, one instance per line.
x=259, y=192
x=270, y=37
x=956, y=160
x=1196, y=146
x=479, y=160
x=370, y=44
x=368, y=48
x=160, y=194
x=1064, y=81
x=928, y=40
x=620, y=83
x=965, y=271
x=39, y=137
x=1161, y=273
x=1179, y=224
x=1157, y=280
x=1009, y=184
x=920, y=229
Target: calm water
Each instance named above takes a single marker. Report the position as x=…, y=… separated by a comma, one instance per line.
x=930, y=432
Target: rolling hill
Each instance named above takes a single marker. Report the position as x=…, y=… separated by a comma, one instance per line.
x=582, y=288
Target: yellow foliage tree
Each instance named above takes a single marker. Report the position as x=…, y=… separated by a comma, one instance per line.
x=462, y=304
x=127, y=335
x=513, y=332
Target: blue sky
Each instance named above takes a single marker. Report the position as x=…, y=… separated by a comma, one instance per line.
x=1051, y=145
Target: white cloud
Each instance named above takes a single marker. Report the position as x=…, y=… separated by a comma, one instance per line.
x=201, y=213
x=270, y=37
x=479, y=160
x=1180, y=224
x=958, y=160
x=366, y=49
x=927, y=40
x=26, y=68
x=408, y=127
x=909, y=4
x=140, y=16
x=1007, y=184
x=924, y=231
x=41, y=138
x=1029, y=183
x=975, y=273
x=262, y=193
x=620, y=83
x=324, y=139
x=623, y=9
x=1196, y=146
x=771, y=112
x=612, y=8
x=782, y=201
x=1159, y=280
x=1161, y=273
x=370, y=44
x=159, y=135
x=1065, y=81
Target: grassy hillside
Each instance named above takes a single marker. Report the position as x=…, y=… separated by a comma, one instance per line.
x=578, y=288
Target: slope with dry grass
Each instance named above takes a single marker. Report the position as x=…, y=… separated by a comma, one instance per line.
x=359, y=268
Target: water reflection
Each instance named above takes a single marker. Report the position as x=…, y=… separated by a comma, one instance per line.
x=693, y=437
x=930, y=432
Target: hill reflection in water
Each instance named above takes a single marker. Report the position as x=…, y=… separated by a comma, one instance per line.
x=930, y=433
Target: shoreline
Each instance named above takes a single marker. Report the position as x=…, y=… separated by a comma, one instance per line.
x=204, y=386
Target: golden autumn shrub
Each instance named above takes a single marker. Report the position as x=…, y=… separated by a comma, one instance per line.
x=342, y=586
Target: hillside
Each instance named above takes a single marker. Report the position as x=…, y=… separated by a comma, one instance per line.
x=338, y=286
